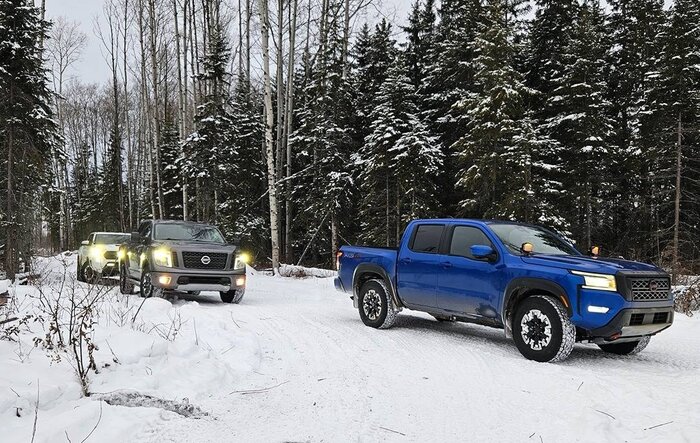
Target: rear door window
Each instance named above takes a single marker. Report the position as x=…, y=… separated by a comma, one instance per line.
x=464, y=237
x=427, y=239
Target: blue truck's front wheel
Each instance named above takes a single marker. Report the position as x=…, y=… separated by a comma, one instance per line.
x=376, y=306
x=542, y=330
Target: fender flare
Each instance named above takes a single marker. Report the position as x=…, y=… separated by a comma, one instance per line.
x=371, y=268
x=528, y=284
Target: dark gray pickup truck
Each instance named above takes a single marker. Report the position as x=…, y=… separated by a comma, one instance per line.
x=166, y=256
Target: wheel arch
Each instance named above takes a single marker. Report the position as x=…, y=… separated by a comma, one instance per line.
x=523, y=287
x=370, y=271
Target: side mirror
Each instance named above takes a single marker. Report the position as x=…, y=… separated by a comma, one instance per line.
x=482, y=251
x=136, y=237
x=85, y=242
x=236, y=241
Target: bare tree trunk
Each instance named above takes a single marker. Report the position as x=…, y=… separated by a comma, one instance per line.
x=127, y=121
x=249, y=14
x=287, y=131
x=156, y=104
x=346, y=39
x=334, y=237
x=181, y=107
x=677, y=206
x=269, y=148
x=145, y=106
x=279, y=81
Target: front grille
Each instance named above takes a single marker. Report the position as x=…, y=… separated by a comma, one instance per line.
x=636, y=319
x=111, y=255
x=193, y=260
x=650, y=289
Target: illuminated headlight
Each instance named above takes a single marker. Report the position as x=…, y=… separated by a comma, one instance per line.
x=601, y=282
x=121, y=254
x=242, y=259
x=97, y=253
x=163, y=257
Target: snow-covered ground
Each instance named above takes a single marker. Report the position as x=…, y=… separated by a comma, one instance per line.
x=293, y=362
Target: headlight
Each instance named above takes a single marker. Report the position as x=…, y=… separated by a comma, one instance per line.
x=241, y=260
x=601, y=282
x=121, y=254
x=163, y=257
x=97, y=252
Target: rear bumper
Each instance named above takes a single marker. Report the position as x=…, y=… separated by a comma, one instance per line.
x=183, y=281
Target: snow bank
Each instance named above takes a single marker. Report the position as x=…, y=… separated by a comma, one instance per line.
x=303, y=272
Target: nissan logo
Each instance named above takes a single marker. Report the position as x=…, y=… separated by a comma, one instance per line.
x=206, y=260
x=653, y=285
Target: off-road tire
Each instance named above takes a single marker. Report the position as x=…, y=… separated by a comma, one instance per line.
x=381, y=312
x=147, y=290
x=92, y=277
x=80, y=276
x=126, y=286
x=626, y=348
x=561, y=332
x=235, y=296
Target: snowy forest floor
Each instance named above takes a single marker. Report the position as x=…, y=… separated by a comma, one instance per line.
x=293, y=362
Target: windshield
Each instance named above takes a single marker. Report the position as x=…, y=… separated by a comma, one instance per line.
x=187, y=232
x=111, y=239
x=543, y=241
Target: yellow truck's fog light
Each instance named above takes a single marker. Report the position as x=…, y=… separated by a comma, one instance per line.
x=240, y=281
x=164, y=280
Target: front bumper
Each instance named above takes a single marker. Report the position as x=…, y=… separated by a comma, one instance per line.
x=182, y=280
x=635, y=322
x=106, y=268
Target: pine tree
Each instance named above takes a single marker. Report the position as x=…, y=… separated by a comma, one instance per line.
x=503, y=172
x=680, y=141
x=400, y=162
x=28, y=134
x=580, y=124
x=111, y=183
x=633, y=98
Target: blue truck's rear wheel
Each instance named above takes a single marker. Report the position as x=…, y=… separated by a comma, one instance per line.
x=626, y=348
x=376, y=307
x=542, y=330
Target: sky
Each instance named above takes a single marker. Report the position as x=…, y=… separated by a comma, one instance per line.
x=93, y=68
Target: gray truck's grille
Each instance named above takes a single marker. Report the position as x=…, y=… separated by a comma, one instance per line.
x=650, y=289
x=194, y=260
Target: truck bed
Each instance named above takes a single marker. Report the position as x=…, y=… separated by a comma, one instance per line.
x=383, y=257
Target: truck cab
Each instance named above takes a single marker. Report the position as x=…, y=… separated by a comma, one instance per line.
x=523, y=278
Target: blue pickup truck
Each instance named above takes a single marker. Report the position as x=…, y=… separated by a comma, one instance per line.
x=518, y=277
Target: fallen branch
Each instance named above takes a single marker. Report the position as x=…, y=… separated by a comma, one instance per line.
x=36, y=411
x=391, y=430
x=658, y=426
x=96, y=424
x=258, y=391
x=605, y=413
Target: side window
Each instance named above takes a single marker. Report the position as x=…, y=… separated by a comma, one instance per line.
x=427, y=239
x=464, y=237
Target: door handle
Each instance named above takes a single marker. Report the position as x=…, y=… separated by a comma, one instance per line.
x=406, y=261
x=446, y=265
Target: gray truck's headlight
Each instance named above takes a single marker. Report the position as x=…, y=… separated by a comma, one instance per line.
x=241, y=260
x=163, y=257
x=601, y=282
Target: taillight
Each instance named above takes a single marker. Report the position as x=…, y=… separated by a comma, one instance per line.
x=337, y=260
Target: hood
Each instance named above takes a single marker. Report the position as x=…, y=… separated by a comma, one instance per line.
x=196, y=246
x=600, y=265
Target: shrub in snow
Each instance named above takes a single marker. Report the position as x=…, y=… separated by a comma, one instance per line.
x=687, y=298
